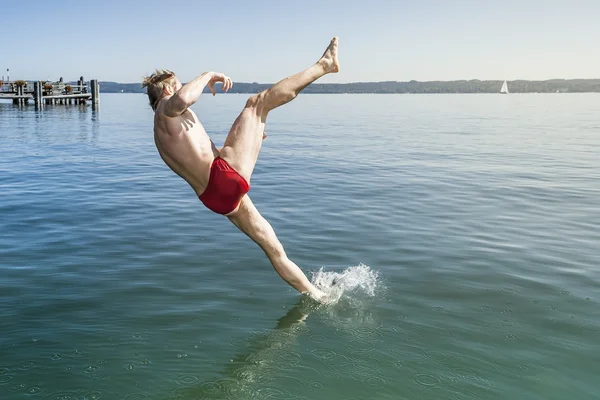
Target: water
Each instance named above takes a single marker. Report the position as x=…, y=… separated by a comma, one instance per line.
x=462, y=232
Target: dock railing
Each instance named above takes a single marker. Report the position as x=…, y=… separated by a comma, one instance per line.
x=46, y=92
x=49, y=88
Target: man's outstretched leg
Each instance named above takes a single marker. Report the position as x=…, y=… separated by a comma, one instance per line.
x=241, y=152
x=244, y=140
x=253, y=224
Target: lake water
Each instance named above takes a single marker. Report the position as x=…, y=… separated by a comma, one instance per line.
x=464, y=231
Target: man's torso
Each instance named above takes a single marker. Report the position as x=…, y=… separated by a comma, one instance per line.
x=185, y=147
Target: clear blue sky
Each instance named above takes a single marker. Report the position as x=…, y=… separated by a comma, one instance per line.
x=263, y=41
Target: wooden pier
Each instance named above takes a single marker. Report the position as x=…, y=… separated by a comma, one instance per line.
x=46, y=93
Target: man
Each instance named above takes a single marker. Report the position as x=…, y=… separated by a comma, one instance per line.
x=221, y=177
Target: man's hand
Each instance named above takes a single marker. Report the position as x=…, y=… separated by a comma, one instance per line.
x=219, y=77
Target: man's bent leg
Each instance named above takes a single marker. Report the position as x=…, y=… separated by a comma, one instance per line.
x=253, y=224
x=244, y=140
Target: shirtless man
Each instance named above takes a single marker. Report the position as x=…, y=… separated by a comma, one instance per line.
x=221, y=177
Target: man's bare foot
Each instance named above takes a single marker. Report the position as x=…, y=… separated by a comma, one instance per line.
x=317, y=295
x=330, y=58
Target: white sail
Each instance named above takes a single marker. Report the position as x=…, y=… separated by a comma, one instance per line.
x=504, y=88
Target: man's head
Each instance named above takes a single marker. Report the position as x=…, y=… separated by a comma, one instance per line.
x=160, y=84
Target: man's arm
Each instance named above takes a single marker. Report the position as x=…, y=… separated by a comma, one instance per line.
x=191, y=91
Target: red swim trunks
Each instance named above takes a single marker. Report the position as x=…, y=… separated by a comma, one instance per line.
x=225, y=188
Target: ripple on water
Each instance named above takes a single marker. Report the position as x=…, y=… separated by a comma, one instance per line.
x=590, y=327
x=220, y=388
x=368, y=365
x=95, y=373
x=465, y=395
x=33, y=390
x=324, y=354
x=568, y=344
x=63, y=395
x=17, y=387
x=387, y=330
x=97, y=395
x=371, y=334
x=374, y=382
x=426, y=380
x=26, y=365
x=301, y=328
x=81, y=394
x=506, y=322
x=166, y=385
x=332, y=360
x=365, y=370
x=136, y=396
x=276, y=357
x=187, y=379
x=90, y=369
x=272, y=393
x=464, y=373
x=317, y=338
x=211, y=387
x=4, y=379
x=239, y=342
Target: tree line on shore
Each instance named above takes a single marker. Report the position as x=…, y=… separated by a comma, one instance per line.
x=460, y=86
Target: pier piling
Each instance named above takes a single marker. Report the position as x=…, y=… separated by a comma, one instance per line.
x=37, y=94
x=95, y=93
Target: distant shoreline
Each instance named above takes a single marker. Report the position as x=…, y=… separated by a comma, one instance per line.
x=410, y=87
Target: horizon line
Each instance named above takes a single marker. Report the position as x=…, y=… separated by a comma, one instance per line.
x=409, y=81
x=357, y=82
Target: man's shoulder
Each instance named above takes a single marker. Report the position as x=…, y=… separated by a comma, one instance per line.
x=160, y=111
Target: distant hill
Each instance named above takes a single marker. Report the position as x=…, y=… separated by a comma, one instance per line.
x=462, y=86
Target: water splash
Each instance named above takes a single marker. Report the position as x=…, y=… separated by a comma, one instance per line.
x=353, y=281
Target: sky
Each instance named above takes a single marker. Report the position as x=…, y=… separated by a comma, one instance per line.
x=264, y=41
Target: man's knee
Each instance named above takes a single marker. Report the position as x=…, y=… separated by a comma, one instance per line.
x=258, y=103
x=256, y=100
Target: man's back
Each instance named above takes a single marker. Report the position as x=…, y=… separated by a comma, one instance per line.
x=184, y=146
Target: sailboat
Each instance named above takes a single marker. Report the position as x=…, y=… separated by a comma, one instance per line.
x=504, y=89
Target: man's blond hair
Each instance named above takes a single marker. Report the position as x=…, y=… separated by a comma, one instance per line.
x=156, y=83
